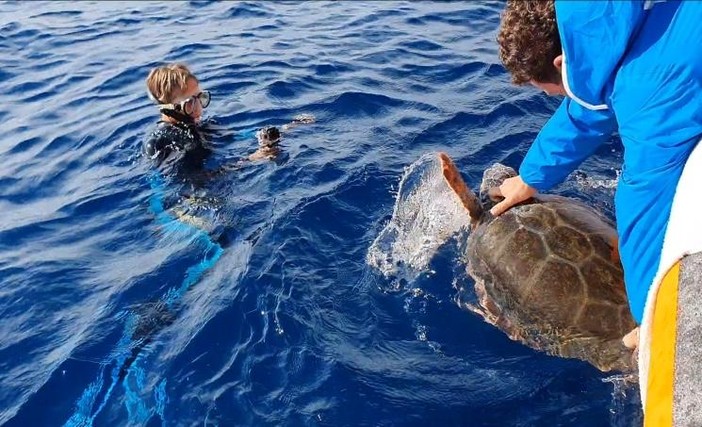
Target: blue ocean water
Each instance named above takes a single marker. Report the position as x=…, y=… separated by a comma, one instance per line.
x=287, y=324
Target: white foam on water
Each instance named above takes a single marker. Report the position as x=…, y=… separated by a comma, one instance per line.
x=585, y=182
x=427, y=213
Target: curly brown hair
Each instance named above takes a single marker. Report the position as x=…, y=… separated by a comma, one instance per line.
x=529, y=41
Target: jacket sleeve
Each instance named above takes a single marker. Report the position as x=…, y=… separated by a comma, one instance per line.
x=571, y=135
x=595, y=36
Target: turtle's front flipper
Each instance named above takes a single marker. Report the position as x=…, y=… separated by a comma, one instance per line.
x=455, y=181
x=426, y=215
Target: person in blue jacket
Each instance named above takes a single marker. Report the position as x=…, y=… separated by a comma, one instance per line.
x=632, y=67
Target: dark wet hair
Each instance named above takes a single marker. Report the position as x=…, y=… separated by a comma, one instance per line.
x=269, y=136
x=529, y=41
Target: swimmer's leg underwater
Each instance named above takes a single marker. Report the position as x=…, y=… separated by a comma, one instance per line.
x=141, y=326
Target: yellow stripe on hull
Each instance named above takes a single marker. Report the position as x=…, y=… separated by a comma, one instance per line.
x=659, y=397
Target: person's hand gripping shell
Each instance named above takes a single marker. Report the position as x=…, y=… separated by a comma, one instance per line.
x=514, y=190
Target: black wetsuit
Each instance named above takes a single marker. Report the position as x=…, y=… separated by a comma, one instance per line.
x=177, y=149
x=180, y=151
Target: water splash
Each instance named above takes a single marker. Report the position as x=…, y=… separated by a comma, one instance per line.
x=625, y=396
x=427, y=213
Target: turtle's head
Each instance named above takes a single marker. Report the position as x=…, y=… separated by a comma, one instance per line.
x=494, y=176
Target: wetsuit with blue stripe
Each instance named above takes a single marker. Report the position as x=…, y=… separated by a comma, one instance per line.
x=179, y=154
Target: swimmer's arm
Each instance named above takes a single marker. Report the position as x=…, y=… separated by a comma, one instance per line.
x=264, y=152
x=299, y=120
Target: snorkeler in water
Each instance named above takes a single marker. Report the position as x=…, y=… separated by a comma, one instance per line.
x=182, y=197
x=177, y=140
x=269, y=138
x=179, y=147
x=179, y=143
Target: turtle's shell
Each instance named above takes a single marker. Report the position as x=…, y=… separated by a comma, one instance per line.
x=548, y=273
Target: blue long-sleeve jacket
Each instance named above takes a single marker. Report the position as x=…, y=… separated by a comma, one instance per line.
x=635, y=67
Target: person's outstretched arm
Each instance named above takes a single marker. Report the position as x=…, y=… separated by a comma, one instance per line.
x=568, y=138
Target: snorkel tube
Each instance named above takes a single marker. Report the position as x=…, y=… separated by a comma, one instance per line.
x=177, y=115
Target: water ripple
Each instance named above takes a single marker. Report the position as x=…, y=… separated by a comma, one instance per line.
x=289, y=326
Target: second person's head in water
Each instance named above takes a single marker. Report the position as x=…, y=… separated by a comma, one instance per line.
x=177, y=92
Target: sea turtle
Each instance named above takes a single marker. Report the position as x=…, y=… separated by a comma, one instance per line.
x=547, y=273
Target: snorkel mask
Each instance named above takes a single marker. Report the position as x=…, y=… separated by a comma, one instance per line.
x=268, y=136
x=182, y=110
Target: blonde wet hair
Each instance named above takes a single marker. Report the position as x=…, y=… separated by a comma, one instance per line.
x=163, y=82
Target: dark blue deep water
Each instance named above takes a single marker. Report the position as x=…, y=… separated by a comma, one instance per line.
x=287, y=324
